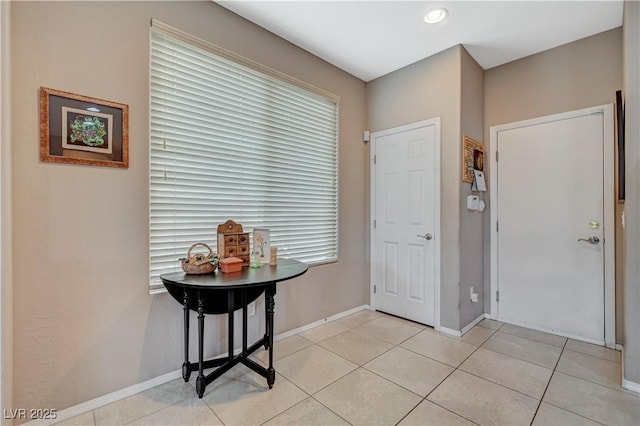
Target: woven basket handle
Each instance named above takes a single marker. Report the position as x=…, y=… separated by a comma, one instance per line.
x=199, y=244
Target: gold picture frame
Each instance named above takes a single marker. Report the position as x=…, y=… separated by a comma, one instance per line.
x=79, y=129
x=473, y=157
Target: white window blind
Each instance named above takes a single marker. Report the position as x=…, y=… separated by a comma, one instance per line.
x=231, y=141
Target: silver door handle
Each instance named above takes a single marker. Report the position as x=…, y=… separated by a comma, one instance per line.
x=590, y=240
x=426, y=236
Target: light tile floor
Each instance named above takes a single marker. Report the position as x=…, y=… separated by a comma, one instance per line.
x=371, y=368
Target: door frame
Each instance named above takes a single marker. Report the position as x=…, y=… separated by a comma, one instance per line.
x=608, y=200
x=372, y=210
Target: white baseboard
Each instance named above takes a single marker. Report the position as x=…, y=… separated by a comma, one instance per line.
x=627, y=384
x=101, y=401
x=320, y=322
x=632, y=386
x=491, y=317
x=458, y=333
x=472, y=324
x=449, y=331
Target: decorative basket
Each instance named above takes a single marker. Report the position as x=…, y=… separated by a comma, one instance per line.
x=199, y=263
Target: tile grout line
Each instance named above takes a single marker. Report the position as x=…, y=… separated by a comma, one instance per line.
x=501, y=385
x=506, y=387
x=367, y=335
x=458, y=368
x=445, y=378
x=425, y=398
x=209, y=406
x=593, y=356
x=296, y=386
x=384, y=378
x=397, y=345
x=576, y=414
x=548, y=383
x=374, y=337
x=454, y=369
x=320, y=402
x=392, y=382
x=432, y=359
x=619, y=389
x=296, y=404
x=265, y=365
x=539, y=341
x=475, y=350
x=575, y=377
x=521, y=359
x=598, y=384
x=329, y=384
x=153, y=412
x=518, y=359
x=206, y=404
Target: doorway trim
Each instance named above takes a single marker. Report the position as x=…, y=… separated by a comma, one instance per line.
x=372, y=209
x=608, y=200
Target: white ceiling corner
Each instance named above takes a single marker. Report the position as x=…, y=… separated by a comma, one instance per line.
x=369, y=39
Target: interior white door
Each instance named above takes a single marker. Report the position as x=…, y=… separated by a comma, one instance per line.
x=405, y=236
x=550, y=235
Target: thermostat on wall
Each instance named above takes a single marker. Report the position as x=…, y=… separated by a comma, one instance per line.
x=475, y=203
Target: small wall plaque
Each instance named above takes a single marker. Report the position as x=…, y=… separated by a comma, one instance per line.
x=472, y=158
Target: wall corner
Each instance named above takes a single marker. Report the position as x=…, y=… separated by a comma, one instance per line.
x=6, y=234
x=631, y=89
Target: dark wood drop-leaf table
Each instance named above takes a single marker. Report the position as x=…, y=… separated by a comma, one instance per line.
x=220, y=293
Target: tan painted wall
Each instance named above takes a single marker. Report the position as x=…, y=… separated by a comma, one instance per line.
x=631, y=336
x=6, y=263
x=471, y=222
x=577, y=75
x=427, y=89
x=84, y=322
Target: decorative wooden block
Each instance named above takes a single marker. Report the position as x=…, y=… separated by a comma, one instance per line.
x=233, y=242
x=230, y=227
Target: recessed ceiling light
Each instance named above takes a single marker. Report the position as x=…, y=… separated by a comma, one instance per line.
x=436, y=15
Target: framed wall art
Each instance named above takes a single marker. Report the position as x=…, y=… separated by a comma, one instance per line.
x=472, y=158
x=83, y=130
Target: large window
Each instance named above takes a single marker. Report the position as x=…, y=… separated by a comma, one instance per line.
x=230, y=139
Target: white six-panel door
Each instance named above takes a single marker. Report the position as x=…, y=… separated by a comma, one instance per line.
x=551, y=200
x=405, y=213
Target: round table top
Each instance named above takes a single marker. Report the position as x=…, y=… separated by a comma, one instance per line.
x=248, y=277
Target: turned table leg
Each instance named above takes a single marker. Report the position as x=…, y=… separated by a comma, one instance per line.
x=200, y=384
x=186, y=367
x=270, y=305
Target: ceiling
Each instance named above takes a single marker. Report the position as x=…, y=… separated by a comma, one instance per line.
x=369, y=39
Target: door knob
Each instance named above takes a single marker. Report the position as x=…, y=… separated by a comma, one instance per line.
x=590, y=240
x=426, y=236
